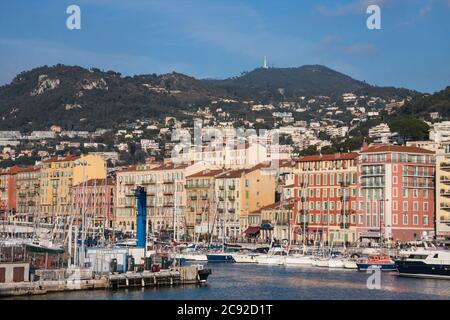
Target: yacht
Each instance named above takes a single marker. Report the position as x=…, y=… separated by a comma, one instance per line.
x=275, y=256
x=425, y=264
x=220, y=257
x=296, y=258
x=335, y=263
x=245, y=257
x=194, y=256
x=320, y=262
x=350, y=264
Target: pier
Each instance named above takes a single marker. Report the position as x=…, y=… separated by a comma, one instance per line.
x=176, y=276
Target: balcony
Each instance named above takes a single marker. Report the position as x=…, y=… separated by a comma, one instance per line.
x=373, y=172
x=221, y=187
x=204, y=197
x=221, y=198
x=232, y=187
x=445, y=166
x=220, y=210
x=193, y=198
x=168, y=193
x=232, y=210
x=344, y=225
x=444, y=206
x=231, y=198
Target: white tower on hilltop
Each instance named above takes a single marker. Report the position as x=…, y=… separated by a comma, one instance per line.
x=265, y=66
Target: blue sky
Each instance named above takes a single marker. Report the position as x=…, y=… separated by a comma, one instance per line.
x=222, y=38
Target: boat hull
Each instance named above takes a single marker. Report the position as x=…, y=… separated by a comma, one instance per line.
x=298, y=261
x=270, y=261
x=243, y=258
x=423, y=270
x=219, y=258
x=335, y=263
x=371, y=266
x=350, y=264
x=194, y=257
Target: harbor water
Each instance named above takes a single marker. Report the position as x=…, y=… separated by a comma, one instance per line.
x=231, y=281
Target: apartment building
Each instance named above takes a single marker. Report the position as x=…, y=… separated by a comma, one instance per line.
x=57, y=177
x=95, y=199
x=200, y=213
x=443, y=192
x=239, y=192
x=396, y=200
x=27, y=192
x=166, y=196
x=326, y=197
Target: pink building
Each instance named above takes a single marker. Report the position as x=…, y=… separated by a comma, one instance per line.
x=396, y=193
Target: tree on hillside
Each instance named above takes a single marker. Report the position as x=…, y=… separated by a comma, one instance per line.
x=409, y=128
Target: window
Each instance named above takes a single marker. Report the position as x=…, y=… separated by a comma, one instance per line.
x=425, y=220
x=405, y=219
x=425, y=206
x=394, y=192
x=395, y=219
x=416, y=206
x=360, y=219
x=416, y=220
x=395, y=180
x=395, y=205
x=405, y=205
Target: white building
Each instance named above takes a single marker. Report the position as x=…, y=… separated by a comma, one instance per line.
x=440, y=132
x=380, y=133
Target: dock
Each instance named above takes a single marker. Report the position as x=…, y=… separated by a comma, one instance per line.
x=172, y=277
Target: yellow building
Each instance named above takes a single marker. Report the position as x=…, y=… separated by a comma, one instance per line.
x=443, y=192
x=57, y=177
x=200, y=202
x=240, y=192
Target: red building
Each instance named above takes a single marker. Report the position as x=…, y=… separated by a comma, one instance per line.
x=396, y=198
x=94, y=199
x=326, y=197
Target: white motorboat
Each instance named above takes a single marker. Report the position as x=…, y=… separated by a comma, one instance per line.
x=335, y=263
x=275, y=256
x=245, y=257
x=321, y=262
x=350, y=264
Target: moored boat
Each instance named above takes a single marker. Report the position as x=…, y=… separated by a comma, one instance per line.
x=350, y=264
x=220, y=257
x=245, y=257
x=298, y=260
x=335, y=263
x=425, y=264
x=376, y=261
x=275, y=256
x=194, y=256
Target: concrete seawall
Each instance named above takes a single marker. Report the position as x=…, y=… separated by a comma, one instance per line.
x=174, y=277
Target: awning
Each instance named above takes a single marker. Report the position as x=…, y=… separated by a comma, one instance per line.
x=252, y=230
x=266, y=226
